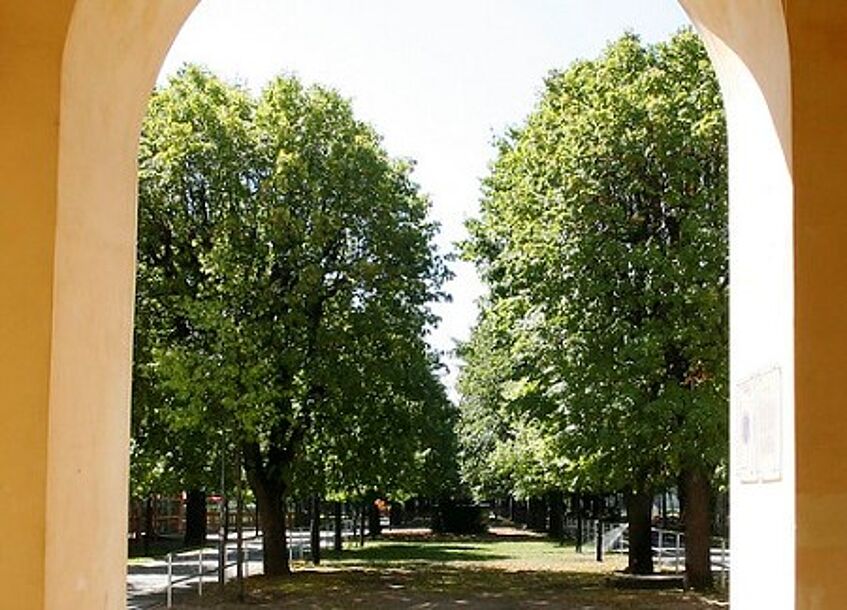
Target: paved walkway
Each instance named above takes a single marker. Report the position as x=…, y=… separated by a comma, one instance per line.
x=147, y=579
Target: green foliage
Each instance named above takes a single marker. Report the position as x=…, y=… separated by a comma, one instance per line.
x=286, y=267
x=600, y=358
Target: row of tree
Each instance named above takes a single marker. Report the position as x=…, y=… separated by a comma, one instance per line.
x=599, y=360
x=286, y=272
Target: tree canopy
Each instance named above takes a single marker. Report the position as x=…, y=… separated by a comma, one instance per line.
x=603, y=240
x=286, y=272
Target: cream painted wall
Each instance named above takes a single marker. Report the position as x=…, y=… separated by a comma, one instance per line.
x=749, y=48
x=748, y=44
x=111, y=59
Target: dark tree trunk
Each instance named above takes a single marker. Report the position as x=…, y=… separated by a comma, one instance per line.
x=338, y=526
x=362, y=517
x=374, y=524
x=698, y=569
x=537, y=518
x=270, y=502
x=315, y=529
x=557, y=505
x=149, y=534
x=395, y=515
x=302, y=515
x=577, y=500
x=138, y=511
x=274, y=542
x=639, y=509
x=519, y=510
x=195, y=518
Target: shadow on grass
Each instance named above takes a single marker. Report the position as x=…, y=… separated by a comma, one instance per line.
x=440, y=586
x=408, y=552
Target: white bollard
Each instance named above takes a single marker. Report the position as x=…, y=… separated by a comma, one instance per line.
x=200, y=572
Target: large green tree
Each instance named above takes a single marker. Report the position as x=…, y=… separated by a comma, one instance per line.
x=286, y=267
x=606, y=214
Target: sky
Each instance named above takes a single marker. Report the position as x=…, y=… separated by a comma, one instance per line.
x=438, y=79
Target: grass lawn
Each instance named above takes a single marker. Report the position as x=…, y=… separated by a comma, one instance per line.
x=498, y=571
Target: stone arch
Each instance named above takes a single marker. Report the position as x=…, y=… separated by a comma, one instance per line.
x=75, y=78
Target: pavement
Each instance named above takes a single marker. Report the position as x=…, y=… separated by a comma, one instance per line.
x=147, y=579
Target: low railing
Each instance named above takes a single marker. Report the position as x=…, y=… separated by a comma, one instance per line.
x=299, y=548
x=669, y=548
x=202, y=570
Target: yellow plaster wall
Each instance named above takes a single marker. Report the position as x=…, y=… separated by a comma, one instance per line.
x=31, y=42
x=112, y=55
x=818, y=36
x=67, y=250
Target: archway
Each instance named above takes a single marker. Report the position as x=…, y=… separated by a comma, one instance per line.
x=76, y=79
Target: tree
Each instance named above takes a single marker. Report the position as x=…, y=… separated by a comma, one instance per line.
x=607, y=214
x=282, y=246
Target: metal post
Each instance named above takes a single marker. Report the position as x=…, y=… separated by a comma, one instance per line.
x=223, y=517
x=200, y=572
x=338, y=525
x=724, y=568
x=170, y=579
x=578, y=501
x=676, y=554
x=660, y=549
x=599, y=540
x=239, y=529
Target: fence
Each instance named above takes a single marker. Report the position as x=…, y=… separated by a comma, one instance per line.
x=668, y=545
x=196, y=570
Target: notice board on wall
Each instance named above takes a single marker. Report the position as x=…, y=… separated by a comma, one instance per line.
x=758, y=406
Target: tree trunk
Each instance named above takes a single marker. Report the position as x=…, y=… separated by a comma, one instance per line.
x=239, y=528
x=396, y=515
x=556, y=502
x=577, y=501
x=338, y=527
x=195, y=518
x=315, y=530
x=138, y=511
x=698, y=569
x=519, y=510
x=374, y=523
x=639, y=509
x=274, y=541
x=149, y=534
x=269, y=489
x=537, y=517
x=362, y=517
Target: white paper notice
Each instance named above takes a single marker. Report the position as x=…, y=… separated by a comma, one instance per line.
x=759, y=408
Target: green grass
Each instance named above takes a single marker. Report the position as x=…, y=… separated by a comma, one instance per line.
x=524, y=553
x=431, y=572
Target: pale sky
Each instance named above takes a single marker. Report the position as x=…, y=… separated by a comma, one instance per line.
x=437, y=78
